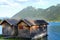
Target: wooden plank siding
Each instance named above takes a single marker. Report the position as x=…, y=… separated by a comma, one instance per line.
x=23, y=30
x=23, y=25
x=7, y=29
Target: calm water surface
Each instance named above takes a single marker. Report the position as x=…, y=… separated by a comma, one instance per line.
x=54, y=31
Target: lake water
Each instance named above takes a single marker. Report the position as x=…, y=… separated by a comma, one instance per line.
x=0, y=29
x=53, y=31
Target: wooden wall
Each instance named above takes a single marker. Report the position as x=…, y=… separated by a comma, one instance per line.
x=23, y=25
x=7, y=29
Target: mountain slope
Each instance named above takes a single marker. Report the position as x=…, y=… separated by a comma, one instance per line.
x=51, y=14
x=28, y=12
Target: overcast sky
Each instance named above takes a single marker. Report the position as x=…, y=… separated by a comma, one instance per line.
x=8, y=8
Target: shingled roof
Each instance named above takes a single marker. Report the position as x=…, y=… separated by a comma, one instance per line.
x=10, y=21
x=26, y=21
x=33, y=22
x=40, y=22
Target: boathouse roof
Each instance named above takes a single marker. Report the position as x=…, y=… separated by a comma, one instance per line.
x=41, y=22
x=10, y=21
x=28, y=22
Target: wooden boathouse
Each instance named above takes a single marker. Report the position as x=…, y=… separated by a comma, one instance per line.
x=24, y=28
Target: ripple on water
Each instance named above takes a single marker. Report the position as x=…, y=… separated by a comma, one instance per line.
x=54, y=31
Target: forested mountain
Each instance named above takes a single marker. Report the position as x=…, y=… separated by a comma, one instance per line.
x=51, y=14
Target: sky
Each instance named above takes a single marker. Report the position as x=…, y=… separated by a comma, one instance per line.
x=8, y=8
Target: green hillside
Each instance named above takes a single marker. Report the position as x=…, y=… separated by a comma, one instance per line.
x=51, y=14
